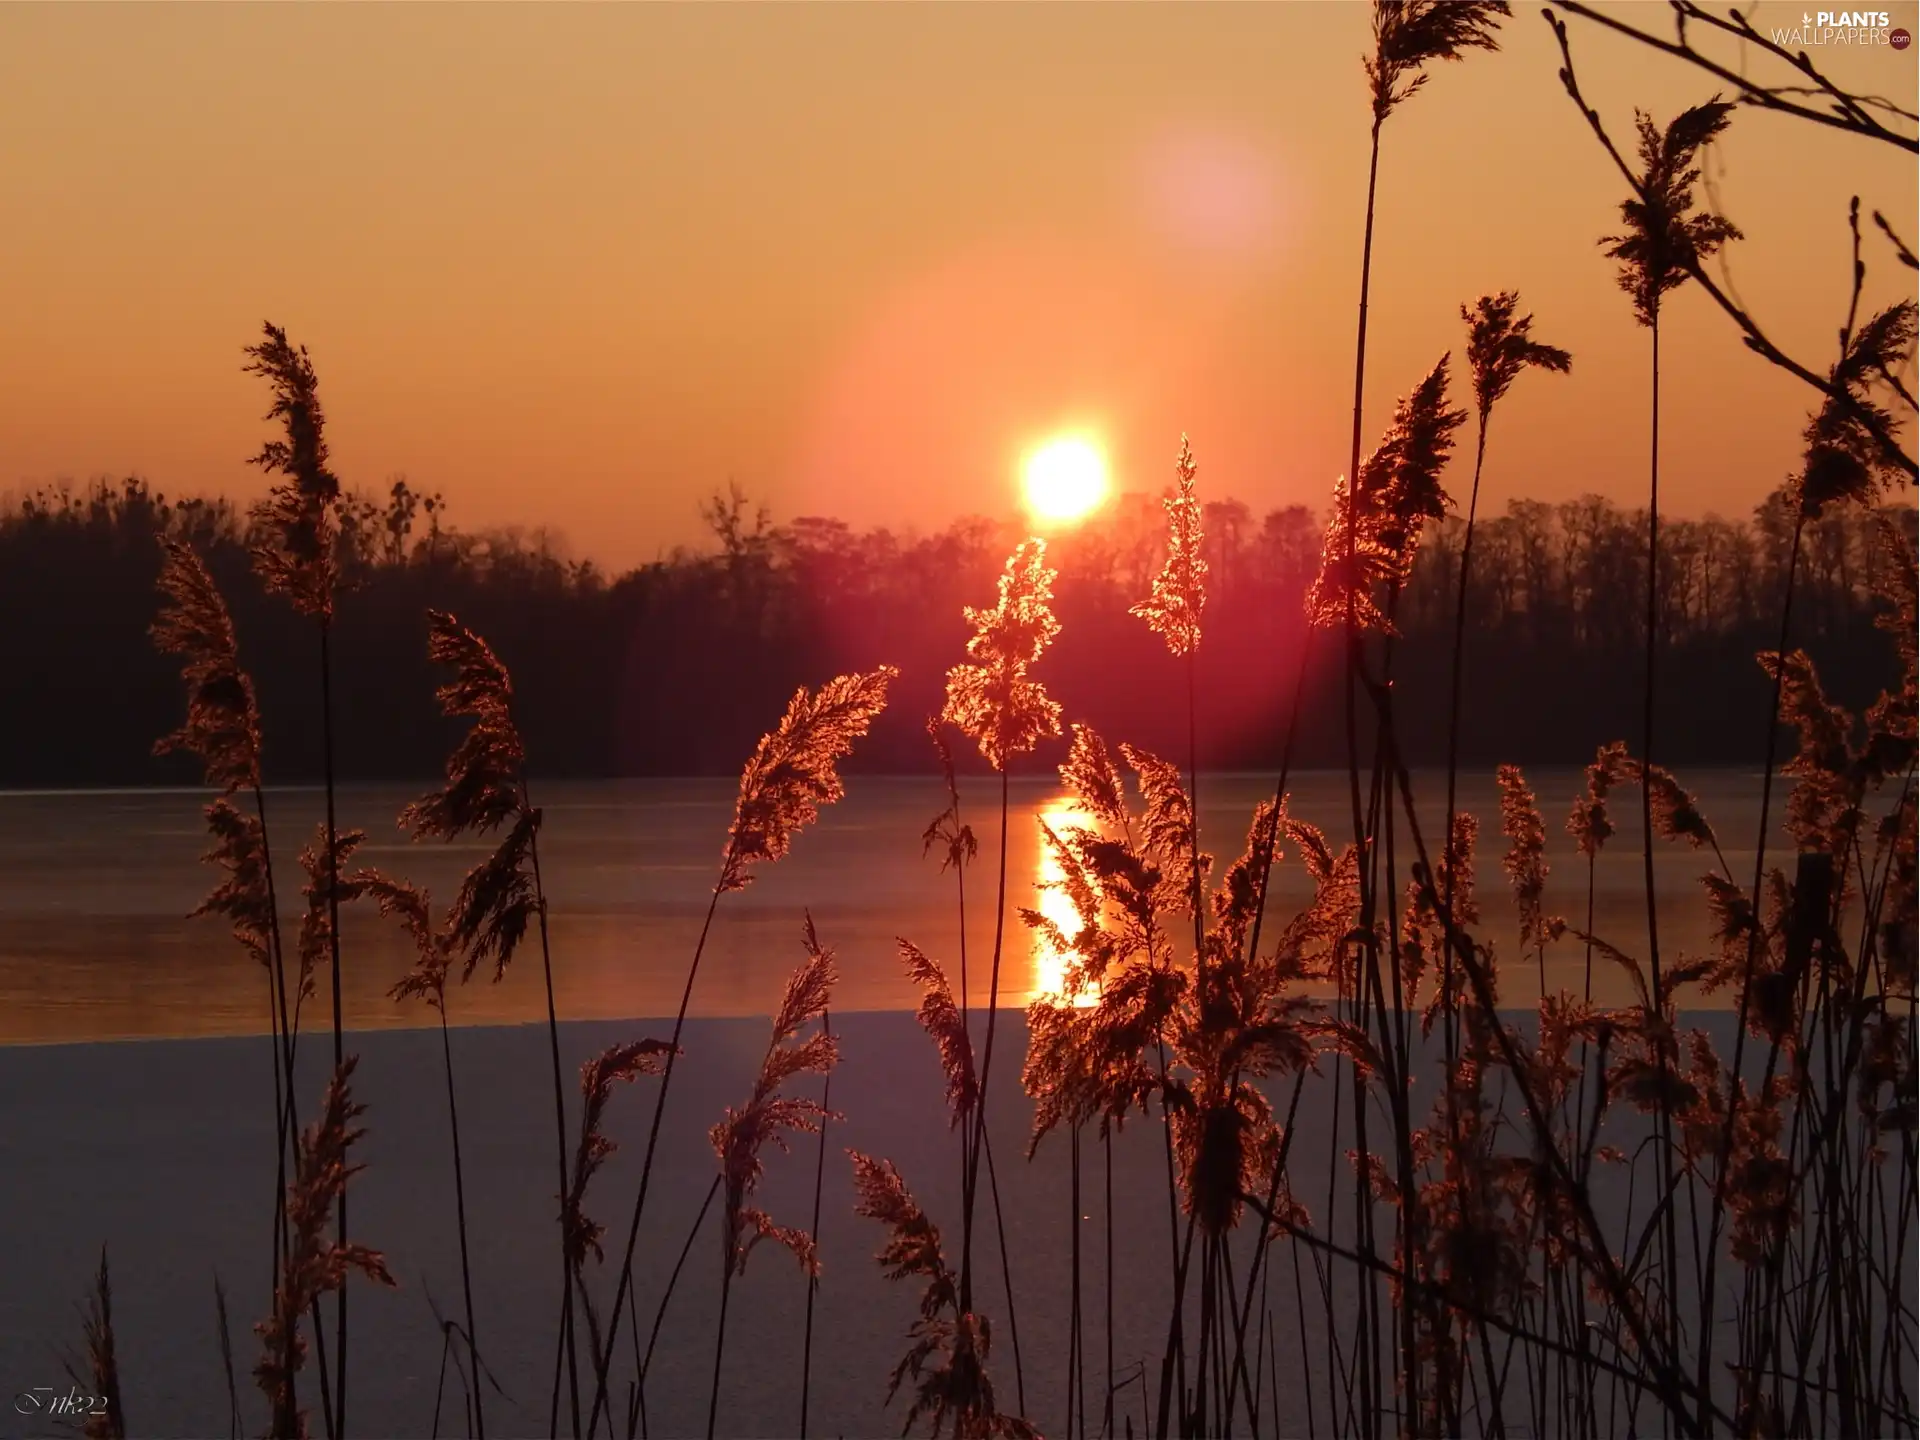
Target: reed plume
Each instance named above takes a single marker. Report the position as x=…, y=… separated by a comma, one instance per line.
x=619, y=1063
x=947, y=1359
x=245, y=896
x=1432, y=928
x=740, y=1138
x=1167, y=824
x=1093, y=780
x=326, y=890
x=1373, y=529
x=412, y=908
x=1591, y=822
x=314, y=1265
x=298, y=522
x=1526, y=858
x=792, y=772
x=993, y=699
x=1180, y=589
x=484, y=772
x=1676, y=813
x=766, y=1119
x=1407, y=34
x=580, y=1234
x=1665, y=239
x=1500, y=347
x=222, y=726
x=941, y=1018
x=1850, y=453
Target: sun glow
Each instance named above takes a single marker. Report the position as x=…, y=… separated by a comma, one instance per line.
x=1049, y=964
x=1065, y=479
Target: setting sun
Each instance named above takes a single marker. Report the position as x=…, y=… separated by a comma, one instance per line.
x=1065, y=479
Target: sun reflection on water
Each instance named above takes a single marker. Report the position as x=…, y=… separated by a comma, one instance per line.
x=1050, y=963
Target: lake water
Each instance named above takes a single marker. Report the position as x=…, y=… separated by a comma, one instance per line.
x=95, y=887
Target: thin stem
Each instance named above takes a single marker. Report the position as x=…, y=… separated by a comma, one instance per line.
x=282, y=1046
x=1451, y=1033
x=813, y=1277
x=720, y=1329
x=1167, y=1375
x=460, y=1216
x=986, y=1066
x=1718, y=1210
x=603, y=1362
x=567, y=1327
x=1106, y=1146
x=1006, y=1279
x=339, y=1425
x=673, y=1281
x=1668, y=1223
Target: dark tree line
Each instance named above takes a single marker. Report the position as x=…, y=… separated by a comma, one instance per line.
x=675, y=667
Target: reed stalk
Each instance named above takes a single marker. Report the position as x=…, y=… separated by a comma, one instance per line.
x=813, y=1228
x=790, y=775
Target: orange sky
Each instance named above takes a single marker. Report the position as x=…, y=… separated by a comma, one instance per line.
x=581, y=265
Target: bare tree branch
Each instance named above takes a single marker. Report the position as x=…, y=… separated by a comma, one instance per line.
x=1849, y=112
x=1755, y=338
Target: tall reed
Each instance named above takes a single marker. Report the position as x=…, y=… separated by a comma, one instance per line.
x=766, y=1119
x=580, y=1234
x=994, y=700
x=1663, y=240
x=314, y=1264
x=433, y=950
x=947, y=1359
x=1500, y=347
x=1408, y=36
x=222, y=729
x=790, y=775
x=1173, y=611
x=486, y=791
x=298, y=528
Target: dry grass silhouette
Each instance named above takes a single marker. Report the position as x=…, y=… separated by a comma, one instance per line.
x=946, y=1363
x=1553, y=1217
x=316, y=1264
x=97, y=1373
